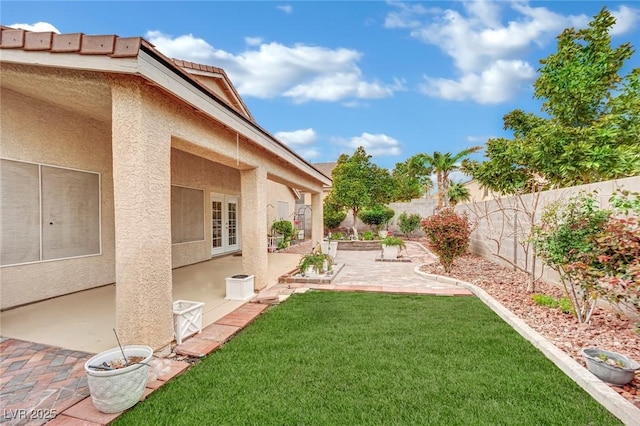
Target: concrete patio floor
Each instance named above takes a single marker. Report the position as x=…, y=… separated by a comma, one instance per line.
x=84, y=321
x=49, y=379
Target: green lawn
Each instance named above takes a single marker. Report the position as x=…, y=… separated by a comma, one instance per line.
x=329, y=358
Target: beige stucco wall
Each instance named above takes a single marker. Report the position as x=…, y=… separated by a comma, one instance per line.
x=206, y=155
x=36, y=132
x=277, y=192
x=195, y=172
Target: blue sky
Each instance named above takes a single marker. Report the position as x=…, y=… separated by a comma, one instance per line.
x=325, y=77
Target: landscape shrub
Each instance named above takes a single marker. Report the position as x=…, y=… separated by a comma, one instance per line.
x=409, y=223
x=333, y=216
x=596, y=251
x=448, y=235
x=376, y=217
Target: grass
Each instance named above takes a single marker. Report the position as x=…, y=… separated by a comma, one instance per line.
x=327, y=358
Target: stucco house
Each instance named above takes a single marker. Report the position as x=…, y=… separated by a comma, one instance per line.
x=118, y=164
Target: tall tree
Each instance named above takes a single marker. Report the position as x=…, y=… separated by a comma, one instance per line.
x=591, y=133
x=358, y=183
x=412, y=178
x=443, y=165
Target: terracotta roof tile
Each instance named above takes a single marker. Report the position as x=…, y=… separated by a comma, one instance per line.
x=97, y=44
x=38, y=41
x=12, y=39
x=66, y=43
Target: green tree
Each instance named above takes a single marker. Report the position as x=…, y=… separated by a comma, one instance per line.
x=413, y=179
x=358, y=183
x=591, y=133
x=458, y=193
x=443, y=165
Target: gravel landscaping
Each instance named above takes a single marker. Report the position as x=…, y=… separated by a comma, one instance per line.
x=608, y=330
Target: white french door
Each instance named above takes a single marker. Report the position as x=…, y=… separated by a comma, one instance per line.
x=225, y=224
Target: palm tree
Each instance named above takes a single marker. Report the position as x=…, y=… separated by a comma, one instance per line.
x=458, y=192
x=443, y=165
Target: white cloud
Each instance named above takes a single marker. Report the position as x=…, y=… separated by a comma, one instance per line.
x=626, y=19
x=300, y=72
x=287, y=8
x=493, y=85
x=375, y=145
x=309, y=154
x=487, y=53
x=298, y=137
x=478, y=139
x=37, y=27
x=253, y=41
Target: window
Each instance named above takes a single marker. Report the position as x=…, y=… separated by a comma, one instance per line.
x=47, y=213
x=187, y=214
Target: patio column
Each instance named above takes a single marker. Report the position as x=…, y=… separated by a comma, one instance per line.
x=141, y=144
x=317, y=221
x=254, y=225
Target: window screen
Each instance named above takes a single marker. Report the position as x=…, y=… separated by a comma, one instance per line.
x=19, y=212
x=187, y=214
x=47, y=212
x=70, y=213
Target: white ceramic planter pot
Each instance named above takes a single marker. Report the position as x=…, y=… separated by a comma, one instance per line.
x=239, y=287
x=329, y=247
x=187, y=319
x=619, y=374
x=390, y=252
x=116, y=390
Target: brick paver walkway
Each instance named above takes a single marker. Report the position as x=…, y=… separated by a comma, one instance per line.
x=39, y=382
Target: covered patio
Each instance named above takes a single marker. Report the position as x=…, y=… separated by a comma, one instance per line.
x=84, y=321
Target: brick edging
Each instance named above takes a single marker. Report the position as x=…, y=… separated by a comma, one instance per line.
x=600, y=391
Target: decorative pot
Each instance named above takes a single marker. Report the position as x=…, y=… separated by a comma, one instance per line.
x=329, y=247
x=115, y=390
x=619, y=372
x=390, y=252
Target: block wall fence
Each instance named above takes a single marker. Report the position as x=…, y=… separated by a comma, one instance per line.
x=502, y=224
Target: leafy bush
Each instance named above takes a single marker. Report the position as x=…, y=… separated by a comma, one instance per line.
x=545, y=300
x=376, y=217
x=563, y=304
x=409, y=223
x=284, y=228
x=333, y=215
x=613, y=261
x=393, y=241
x=564, y=237
x=321, y=262
x=368, y=235
x=337, y=236
x=448, y=235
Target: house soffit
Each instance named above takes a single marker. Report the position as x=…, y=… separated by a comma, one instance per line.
x=83, y=93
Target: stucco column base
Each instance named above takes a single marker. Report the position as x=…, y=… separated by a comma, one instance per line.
x=142, y=200
x=254, y=226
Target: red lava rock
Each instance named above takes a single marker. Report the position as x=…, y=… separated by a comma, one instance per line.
x=608, y=330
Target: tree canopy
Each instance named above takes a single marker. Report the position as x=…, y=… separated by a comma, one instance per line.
x=591, y=125
x=443, y=164
x=358, y=183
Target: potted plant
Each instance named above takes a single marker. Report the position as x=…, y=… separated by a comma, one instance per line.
x=117, y=377
x=391, y=247
x=285, y=229
x=610, y=367
x=330, y=245
x=315, y=263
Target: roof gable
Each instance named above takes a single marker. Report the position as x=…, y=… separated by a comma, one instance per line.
x=216, y=80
